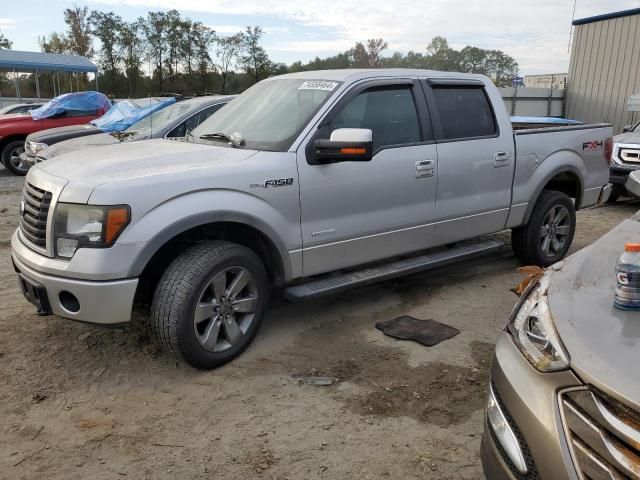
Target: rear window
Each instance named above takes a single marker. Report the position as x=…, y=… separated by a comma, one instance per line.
x=465, y=112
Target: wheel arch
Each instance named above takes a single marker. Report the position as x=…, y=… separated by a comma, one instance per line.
x=165, y=246
x=567, y=179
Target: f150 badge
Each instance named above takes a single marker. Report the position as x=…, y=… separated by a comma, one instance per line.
x=274, y=182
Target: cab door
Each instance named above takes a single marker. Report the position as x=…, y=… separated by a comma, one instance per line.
x=475, y=159
x=357, y=212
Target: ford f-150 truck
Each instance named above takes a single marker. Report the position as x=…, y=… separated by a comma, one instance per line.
x=307, y=183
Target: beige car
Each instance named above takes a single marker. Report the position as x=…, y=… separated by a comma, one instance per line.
x=564, y=396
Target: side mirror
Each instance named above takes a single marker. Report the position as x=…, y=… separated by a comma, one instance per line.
x=627, y=128
x=345, y=145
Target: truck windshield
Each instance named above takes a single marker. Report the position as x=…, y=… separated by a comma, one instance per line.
x=268, y=116
x=159, y=120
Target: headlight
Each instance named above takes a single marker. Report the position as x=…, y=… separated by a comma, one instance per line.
x=532, y=328
x=34, y=147
x=87, y=226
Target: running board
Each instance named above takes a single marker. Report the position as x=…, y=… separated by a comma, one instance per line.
x=344, y=281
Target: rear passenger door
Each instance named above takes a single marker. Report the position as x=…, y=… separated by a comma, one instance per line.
x=475, y=160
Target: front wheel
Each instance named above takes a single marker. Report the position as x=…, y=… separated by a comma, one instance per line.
x=11, y=157
x=209, y=303
x=549, y=233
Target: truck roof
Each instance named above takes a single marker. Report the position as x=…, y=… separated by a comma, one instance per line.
x=353, y=74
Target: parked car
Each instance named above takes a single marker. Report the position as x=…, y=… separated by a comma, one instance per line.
x=564, y=394
x=171, y=122
x=121, y=116
x=19, y=108
x=68, y=109
x=625, y=158
x=308, y=183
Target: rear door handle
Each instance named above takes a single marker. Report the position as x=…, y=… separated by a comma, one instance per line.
x=425, y=168
x=501, y=159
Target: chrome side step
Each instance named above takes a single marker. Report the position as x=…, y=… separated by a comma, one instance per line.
x=344, y=281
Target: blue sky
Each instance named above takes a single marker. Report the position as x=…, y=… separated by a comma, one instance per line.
x=535, y=33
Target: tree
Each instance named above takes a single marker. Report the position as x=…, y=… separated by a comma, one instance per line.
x=202, y=39
x=441, y=57
x=155, y=29
x=79, y=31
x=254, y=61
x=367, y=56
x=228, y=52
x=5, y=43
x=107, y=27
x=56, y=43
x=131, y=37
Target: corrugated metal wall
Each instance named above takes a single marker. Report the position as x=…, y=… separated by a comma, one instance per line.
x=604, y=70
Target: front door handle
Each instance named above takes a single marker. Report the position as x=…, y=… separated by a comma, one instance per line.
x=501, y=159
x=425, y=168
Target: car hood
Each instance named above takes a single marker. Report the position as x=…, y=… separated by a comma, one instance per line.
x=75, y=144
x=629, y=137
x=125, y=163
x=602, y=341
x=59, y=134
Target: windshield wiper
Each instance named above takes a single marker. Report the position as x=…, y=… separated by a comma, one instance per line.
x=234, y=139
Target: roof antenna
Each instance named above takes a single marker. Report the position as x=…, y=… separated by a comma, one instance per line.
x=573, y=16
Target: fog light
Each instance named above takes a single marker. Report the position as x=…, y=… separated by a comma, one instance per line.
x=66, y=247
x=504, y=434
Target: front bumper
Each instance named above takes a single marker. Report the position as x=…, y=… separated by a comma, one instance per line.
x=94, y=301
x=530, y=402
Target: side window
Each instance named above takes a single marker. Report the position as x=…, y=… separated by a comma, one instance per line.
x=189, y=124
x=464, y=112
x=389, y=112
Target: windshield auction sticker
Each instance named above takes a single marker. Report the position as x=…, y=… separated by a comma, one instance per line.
x=318, y=85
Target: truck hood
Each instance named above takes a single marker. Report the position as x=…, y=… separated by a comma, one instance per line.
x=85, y=170
x=59, y=134
x=629, y=137
x=603, y=342
x=80, y=143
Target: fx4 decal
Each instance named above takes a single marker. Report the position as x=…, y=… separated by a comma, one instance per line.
x=274, y=182
x=593, y=145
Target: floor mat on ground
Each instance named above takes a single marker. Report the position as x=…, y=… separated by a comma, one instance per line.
x=427, y=332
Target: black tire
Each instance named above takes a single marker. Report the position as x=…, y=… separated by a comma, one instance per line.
x=8, y=153
x=528, y=241
x=185, y=284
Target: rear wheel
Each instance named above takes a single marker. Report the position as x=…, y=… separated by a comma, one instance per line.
x=11, y=157
x=549, y=233
x=209, y=303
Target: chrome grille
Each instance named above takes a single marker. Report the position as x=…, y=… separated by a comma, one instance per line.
x=34, y=212
x=603, y=434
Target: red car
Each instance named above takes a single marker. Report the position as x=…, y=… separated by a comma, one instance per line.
x=68, y=109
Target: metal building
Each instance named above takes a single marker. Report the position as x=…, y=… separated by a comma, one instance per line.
x=604, y=70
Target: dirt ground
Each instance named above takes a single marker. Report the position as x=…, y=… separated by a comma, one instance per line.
x=79, y=401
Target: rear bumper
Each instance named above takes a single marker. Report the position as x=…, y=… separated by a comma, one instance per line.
x=529, y=402
x=103, y=302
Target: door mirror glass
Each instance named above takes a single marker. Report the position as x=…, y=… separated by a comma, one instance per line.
x=345, y=145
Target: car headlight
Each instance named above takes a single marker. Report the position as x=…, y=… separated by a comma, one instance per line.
x=532, y=328
x=87, y=226
x=34, y=147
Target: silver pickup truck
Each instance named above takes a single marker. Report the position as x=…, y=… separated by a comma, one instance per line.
x=307, y=184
